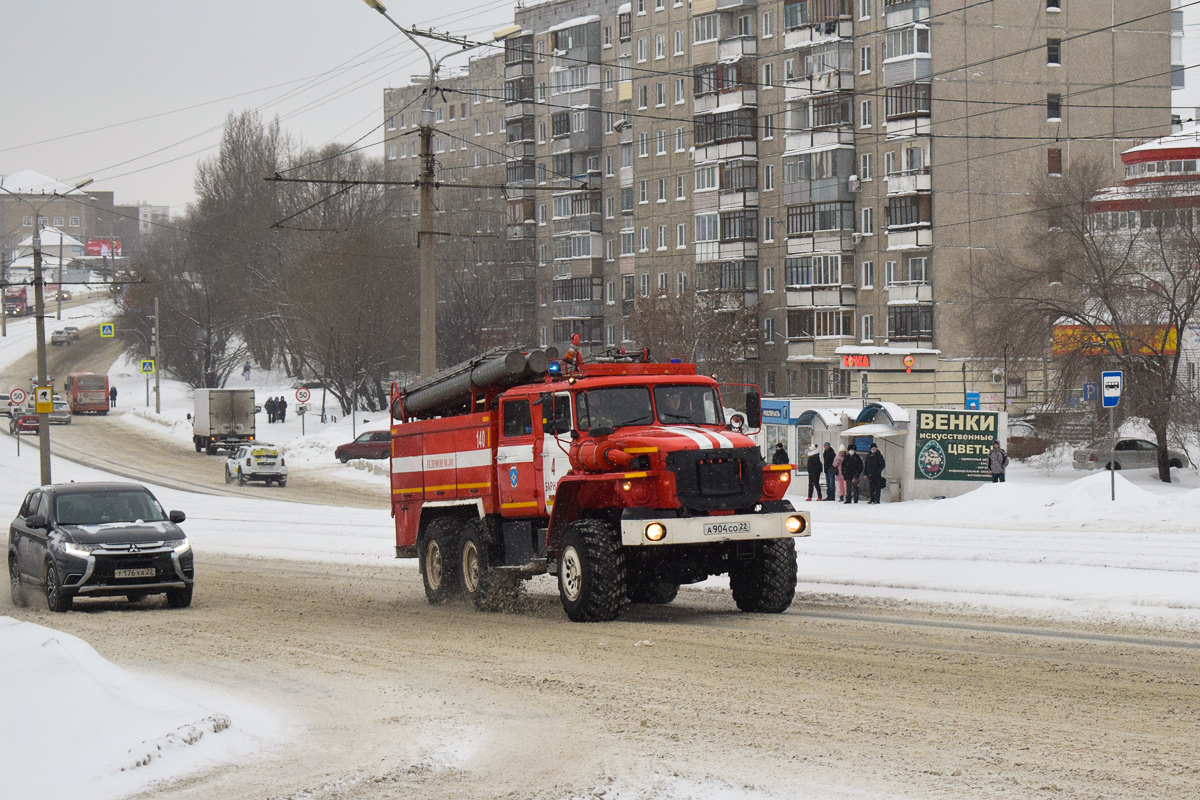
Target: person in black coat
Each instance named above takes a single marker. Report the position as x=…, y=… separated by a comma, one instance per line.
x=815, y=469
x=873, y=469
x=827, y=456
x=281, y=409
x=852, y=467
x=269, y=407
x=780, y=456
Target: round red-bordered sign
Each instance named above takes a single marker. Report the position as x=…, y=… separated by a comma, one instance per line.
x=16, y=397
x=302, y=395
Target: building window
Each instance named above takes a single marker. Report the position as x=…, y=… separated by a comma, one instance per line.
x=391, y=152
x=74, y=222
x=643, y=96
x=789, y=69
x=626, y=287
x=681, y=235
x=662, y=243
x=768, y=76
x=768, y=24
x=868, y=274
x=768, y=279
x=680, y=187
x=768, y=126
x=391, y=126
x=661, y=94
x=679, y=91
x=864, y=59
x=866, y=166
x=58, y=222
x=864, y=9
x=660, y=143
x=27, y=222
x=907, y=100
x=662, y=190
x=707, y=28
x=768, y=329
x=680, y=141
x=641, y=50
x=660, y=46
x=744, y=25
x=868, y=327
x=768, y=177
x=643, y=144
x=645, y=285
x=681, y=284
x=644, y=239
x=1054, y=5
x=816, y=270
x=864, y=114
x=1054, y=161
x=1053, y=52
x=867, y=227
x=644, y=192
x=1054, y=108
x=910, y=322
x=768, y=229
x=679, y=42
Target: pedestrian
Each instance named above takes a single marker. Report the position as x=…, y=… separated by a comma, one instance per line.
x=780, y=456
x=852, y=467
x=269, y=407
x=112, y=397
x=246, y=371
x=827, y=457
x=281, y=407
x=997, y=462
x=814, y=471
x=837, y=472
x=873, y=469
x=737, y=424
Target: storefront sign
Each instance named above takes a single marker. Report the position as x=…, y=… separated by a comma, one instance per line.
x=953, y=445
x=856, y=362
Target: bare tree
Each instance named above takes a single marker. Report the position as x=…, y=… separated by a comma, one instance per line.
x=1109, y=292
x=712, y=329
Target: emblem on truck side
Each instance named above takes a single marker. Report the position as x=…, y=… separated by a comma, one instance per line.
x=512, y=477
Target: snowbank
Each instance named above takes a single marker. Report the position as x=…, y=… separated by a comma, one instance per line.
x=75, y=725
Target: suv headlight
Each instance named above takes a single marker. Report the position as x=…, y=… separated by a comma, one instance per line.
x=183, y=546
x=78, y=550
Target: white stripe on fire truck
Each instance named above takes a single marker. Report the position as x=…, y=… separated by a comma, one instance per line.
x=515, y=454
x=703, y=441
x=463, y=459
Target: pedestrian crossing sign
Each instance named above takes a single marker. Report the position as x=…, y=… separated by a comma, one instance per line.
x=147, y=366
x=107, y=330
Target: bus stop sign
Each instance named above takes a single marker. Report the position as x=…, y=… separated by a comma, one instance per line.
x=1111, y=384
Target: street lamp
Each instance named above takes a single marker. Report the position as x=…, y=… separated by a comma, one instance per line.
x=426, y=236
x=39, y=298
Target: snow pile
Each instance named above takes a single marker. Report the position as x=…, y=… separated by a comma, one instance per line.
x=72, y=722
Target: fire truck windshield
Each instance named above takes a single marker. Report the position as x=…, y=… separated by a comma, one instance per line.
x=616, y=407
x=696, y=405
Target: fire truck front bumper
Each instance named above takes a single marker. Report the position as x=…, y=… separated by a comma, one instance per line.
x=640, y=527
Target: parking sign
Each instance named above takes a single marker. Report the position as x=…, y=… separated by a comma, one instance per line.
x=1111, y=384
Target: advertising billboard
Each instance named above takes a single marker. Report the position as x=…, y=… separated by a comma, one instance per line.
x=1142, y=340
x=953, y=445
x=103, y=247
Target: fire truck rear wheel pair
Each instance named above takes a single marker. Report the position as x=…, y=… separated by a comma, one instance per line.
x=454, y=562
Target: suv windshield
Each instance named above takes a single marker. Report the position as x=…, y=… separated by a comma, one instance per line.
x=98, y=508
x=689, y=404
x=626, y=405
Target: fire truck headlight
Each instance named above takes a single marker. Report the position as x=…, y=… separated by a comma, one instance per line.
x=656, y=531
x=784, y=477
x=795, y=524
x=626, y=486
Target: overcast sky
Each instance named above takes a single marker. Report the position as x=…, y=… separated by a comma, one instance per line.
x=134, y=92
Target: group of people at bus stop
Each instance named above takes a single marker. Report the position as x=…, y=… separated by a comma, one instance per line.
x=845, y=474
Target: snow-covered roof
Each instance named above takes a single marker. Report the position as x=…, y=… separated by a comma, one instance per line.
x=52, y=237
x=27, y=181
x=1188, y=137
x=872, y=429
x=1183, y=186
x=725, y=109
x=572, y=23
x=831, y=416
x=863, y=350
x=625, y=8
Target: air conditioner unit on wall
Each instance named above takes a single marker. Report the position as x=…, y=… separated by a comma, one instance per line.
x=854, y=184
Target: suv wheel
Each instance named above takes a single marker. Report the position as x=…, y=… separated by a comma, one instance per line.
x=228, y=477
x=241, y=477
x=55, y=600
x=14, y=578
x=179, y=598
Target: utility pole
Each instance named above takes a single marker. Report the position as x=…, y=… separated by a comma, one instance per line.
x=58, y=294
x=157, y=366
x=39, y=304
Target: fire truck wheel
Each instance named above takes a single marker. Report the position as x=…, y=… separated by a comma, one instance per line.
x=487, y=589
x=649, y=589
x=436, y=553
x=766, y=584
x=591, y=572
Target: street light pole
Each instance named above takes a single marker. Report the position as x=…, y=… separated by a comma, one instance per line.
x=426, y=236
x=39, y=298
x=157, y=366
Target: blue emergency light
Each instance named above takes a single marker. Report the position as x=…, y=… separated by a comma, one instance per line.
x=676, y=360
x=555, y=368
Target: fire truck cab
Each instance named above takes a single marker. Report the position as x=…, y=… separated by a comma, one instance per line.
x=619, y=475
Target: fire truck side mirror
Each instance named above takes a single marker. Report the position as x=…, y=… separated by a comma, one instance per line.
x=753, y=410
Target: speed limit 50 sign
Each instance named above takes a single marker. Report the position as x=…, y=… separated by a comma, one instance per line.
x=302, y=395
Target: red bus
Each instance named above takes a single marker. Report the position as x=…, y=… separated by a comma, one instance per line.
x=87, y=392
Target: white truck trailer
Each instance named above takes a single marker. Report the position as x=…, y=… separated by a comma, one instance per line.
x=222, y=419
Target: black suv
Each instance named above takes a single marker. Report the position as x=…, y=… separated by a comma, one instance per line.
x=98, y=540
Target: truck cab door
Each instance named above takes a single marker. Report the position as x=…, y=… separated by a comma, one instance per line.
x=557, y=424
x=516, y=473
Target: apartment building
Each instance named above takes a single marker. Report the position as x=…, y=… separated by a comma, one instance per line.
x=846, y=168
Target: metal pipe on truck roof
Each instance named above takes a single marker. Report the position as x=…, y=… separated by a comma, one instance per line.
x=452, y=392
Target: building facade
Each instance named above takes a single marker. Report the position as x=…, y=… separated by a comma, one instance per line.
x=846, y=168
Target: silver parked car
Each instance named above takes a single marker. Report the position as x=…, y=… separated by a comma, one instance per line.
x=1130, y=454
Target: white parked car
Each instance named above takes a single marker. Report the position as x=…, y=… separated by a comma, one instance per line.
x=256, y=462
x=1129, y=454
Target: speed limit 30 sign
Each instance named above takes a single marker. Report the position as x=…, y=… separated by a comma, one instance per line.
x=302, y=395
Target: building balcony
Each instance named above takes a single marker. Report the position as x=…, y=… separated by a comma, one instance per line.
x=909, y=238
x=584, y=223
x=909, y=293
x=820, y=242
x=801, y=88
x=737, y=251
x=817, y=34
x=745, y=95
x=812, y=296
x=816, y=139
x=520, y=108
x=519, y=150
x=729, y=5
x=910, y=182
x=526, y=229
x=720, y=151
x=577, y=309
x=819, y=349
x=519, y=69
x=737, y=46
x=730, y=201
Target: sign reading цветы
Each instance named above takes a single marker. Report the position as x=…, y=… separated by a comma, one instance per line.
x=954, y=445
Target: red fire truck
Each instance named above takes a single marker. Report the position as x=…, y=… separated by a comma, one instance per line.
x=16, y=301
x=618, y=474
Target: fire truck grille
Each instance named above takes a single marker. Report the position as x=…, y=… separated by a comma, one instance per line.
x=708, y=480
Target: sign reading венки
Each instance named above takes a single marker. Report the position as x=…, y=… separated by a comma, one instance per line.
x=953, y=445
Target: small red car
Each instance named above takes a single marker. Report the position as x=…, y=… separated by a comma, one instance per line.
x=373, y=444
x=21, y=422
